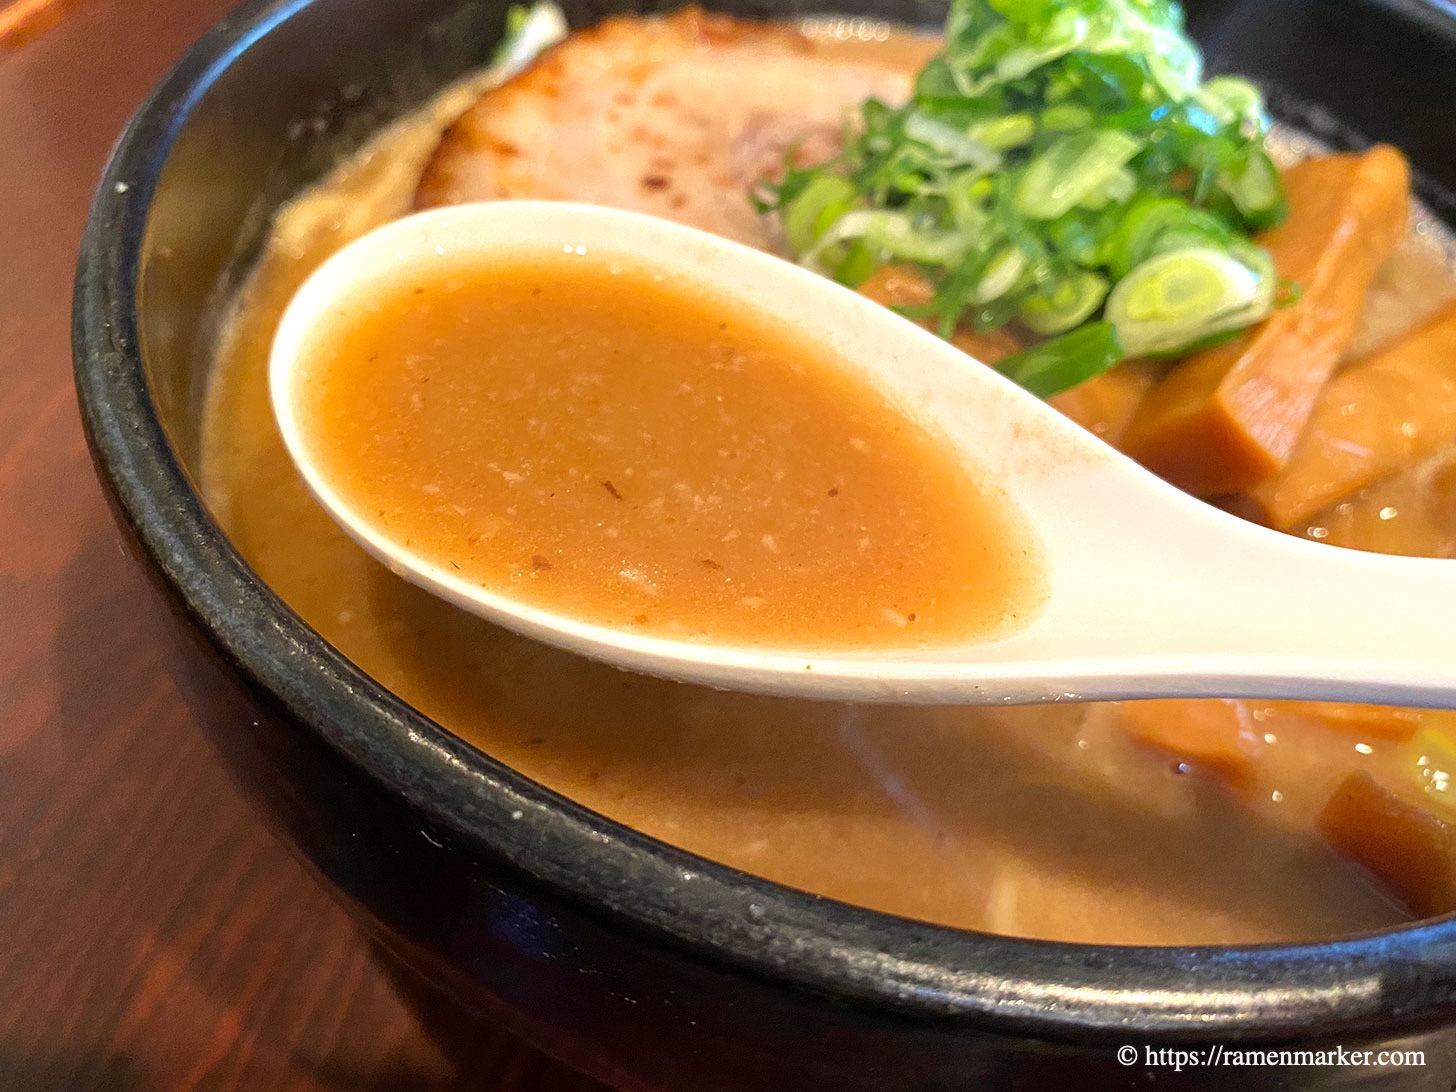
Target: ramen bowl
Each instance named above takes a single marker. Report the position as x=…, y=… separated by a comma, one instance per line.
x=639, y=963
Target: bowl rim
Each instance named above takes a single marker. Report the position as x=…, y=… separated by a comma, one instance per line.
x=1048, y=989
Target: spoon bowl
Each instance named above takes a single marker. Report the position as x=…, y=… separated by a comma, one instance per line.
x=1149, y=592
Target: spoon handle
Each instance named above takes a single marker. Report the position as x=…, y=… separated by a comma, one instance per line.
x=1283, y=618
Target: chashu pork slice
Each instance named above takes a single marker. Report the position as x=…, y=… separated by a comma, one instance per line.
x=675, y=116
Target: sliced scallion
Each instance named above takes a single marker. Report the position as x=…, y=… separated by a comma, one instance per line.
x=1063, y=362
x=1067, y=304
x=1066, y=118
x=1173, y=300
x=1234, y=99
x=1154, y=225
x=1059, y=162
x=1000, y=276
x=950, y=143
x=1004, y=133
x=1252, y=183
x=1070, y=169
x=530, y=31
x=809, y=215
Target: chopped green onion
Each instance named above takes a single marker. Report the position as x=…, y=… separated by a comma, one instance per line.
x=1023, y=9
x=956, y=146
x=894, y=234
x=1253, y=185
x=1287, y=293
x=1256, y=258
x=965, y=196
x=1000, y=276
x=530, y=31
x=1060, y=164
x=1234, y=99
x=1071, y=169
x=824, y=200
x=1081, y=236
x=1069, y=303
x=1155, y=225
x=1173, y=300
x=1004, y=133
x=1066, y=118
x=1117, y=188
x=858, y=263
x=1063, y=362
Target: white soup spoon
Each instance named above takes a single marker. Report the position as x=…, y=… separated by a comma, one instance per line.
x=1151, y=593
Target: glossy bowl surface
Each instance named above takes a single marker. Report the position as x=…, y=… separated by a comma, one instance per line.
x=640, y=963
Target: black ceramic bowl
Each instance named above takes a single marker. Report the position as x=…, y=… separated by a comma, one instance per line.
x=639, y=963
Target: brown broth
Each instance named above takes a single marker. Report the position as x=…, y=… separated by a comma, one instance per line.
x=600, y=442
x=1047, y=822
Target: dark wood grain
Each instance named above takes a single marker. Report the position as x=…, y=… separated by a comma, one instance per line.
x=152, y=934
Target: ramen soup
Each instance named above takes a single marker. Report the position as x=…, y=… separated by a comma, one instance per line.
x=589, y=438
x=1149, y=822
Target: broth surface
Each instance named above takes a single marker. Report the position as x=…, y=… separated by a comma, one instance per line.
x=1047, y=822
x=590, y=438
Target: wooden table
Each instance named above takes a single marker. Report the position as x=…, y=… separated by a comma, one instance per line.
x=152, y=934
